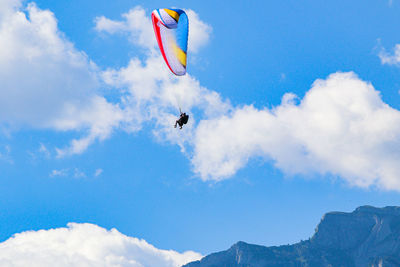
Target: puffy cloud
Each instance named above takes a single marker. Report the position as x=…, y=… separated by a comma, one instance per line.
x=153, y=94
x=35, y=61
x=136, y=24
x=97, y=115
x=46, y=82
x=86, y=245
x=341, y=127
x=7, y=6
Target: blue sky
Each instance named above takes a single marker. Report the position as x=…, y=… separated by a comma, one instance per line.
x=294, y=112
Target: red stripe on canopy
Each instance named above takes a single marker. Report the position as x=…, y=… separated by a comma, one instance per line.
x=158, y=37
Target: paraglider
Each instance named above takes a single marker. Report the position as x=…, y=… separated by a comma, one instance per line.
x=171, y=27
x=183, y=119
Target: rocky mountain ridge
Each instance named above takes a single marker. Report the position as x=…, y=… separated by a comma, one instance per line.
x=368, y=236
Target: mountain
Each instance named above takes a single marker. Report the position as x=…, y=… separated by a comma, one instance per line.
x=368, y=236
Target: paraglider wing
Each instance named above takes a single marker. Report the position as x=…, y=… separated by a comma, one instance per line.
x=171, y=27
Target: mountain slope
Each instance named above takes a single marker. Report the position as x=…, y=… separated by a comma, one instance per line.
x=367, y=236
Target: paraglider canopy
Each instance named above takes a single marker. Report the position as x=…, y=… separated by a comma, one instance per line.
x=171, y=27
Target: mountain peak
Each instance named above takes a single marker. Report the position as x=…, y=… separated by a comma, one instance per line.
x=239, y=244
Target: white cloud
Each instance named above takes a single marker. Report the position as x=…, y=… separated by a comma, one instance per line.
x=341, y=127
x=46, y=82
x=8, y=5
x=136, y=24
x=153, y=94
x=86, y=245
x=390, y=59
x=98, y=116
x=35, y=61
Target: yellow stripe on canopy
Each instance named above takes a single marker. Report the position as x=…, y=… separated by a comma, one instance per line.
x=173, y=14
x=180, y=54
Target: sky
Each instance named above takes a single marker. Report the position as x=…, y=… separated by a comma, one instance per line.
x=294, y=112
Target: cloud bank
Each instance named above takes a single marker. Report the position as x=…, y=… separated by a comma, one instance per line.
x=86, y=245
x=341, y=127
